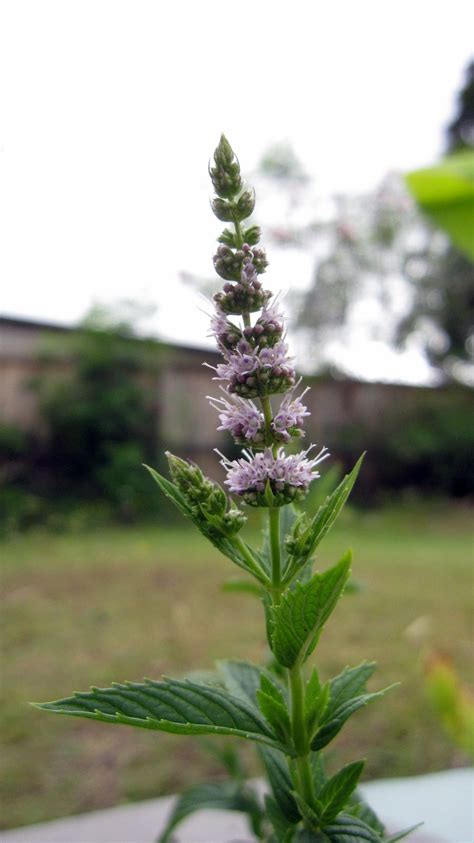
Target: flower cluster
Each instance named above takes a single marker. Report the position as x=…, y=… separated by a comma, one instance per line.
x=256, y=364
x=254, y=372
x=271, y=478
x=246, y=296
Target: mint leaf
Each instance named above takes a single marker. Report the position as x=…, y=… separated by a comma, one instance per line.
x=220, y=541
x=347, y=829
x=303, y=543
x=243, y=679
x=273, y=707
x=181, y=707
x=335, y=717
x=225, y=796
x=303, y=611
x=351, y=682
x=280, y=782
x=336, y=792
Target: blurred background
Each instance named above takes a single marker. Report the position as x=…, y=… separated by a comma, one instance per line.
x=355, y=124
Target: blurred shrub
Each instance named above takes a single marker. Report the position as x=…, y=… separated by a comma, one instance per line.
x=430, y=450
x=100, y=418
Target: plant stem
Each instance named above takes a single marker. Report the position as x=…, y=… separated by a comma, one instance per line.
x=300, y=739
x=274, y=529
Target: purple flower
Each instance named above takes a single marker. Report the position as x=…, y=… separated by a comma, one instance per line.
x=241, y=418
x=288, y=421
x=253, y=372
x=287, y=477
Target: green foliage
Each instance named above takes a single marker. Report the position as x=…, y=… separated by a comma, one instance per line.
x=346, y=696
x=335, y=794
x=99, y=417
x=302, y=613
x=307, y=534
x=427, y=448
x=446, y=194
x=183, y=708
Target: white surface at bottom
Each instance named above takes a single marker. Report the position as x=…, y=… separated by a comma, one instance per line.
x=443, y=800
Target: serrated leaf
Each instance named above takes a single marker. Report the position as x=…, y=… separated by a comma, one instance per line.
x=243, y=679
x=180, y=707
x=226, y=796
x=280, y=782
x=326, y=516
x=302, y=613
x=276, y=713
x=350, y=683
x=334, y=718
x=336, y=792
x=318, y=770
x=348, y=829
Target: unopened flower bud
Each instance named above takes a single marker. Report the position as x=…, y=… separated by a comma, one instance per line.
x=225, y=174
x=245, y=205
x=223, y=210
x=228, y=238
x=252, y=235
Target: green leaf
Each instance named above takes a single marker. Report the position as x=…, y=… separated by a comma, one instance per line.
x=273, y=707
x=316, y=700
x=284, y=828
x=226, y=796
x=243, y=680
x=221, y=542
x=302, y=613
x=359, y=808
x=446, y=194
x=181, y=707
x=280, y=782
x=348, y=829
x=312, y=536
x=334, y=718
x=336, y=792
x=351, y=682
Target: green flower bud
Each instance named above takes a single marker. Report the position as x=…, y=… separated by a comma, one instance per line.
x=225, y=175
x=189, y=479
x=245, y=205
x=223, y=210
x=252, y=235
x=227, y=238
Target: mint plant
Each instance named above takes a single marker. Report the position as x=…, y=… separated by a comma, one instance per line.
x=289, y=713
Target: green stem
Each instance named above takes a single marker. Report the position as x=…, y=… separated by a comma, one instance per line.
x=238, y=543
x=239, y=237
x=274, y=528
x=300, y=737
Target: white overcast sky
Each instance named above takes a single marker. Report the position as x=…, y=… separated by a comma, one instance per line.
x=110, y=110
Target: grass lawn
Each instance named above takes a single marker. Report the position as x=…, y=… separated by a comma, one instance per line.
x=82, y=609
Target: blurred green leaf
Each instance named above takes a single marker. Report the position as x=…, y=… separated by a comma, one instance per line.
x=446, y=193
